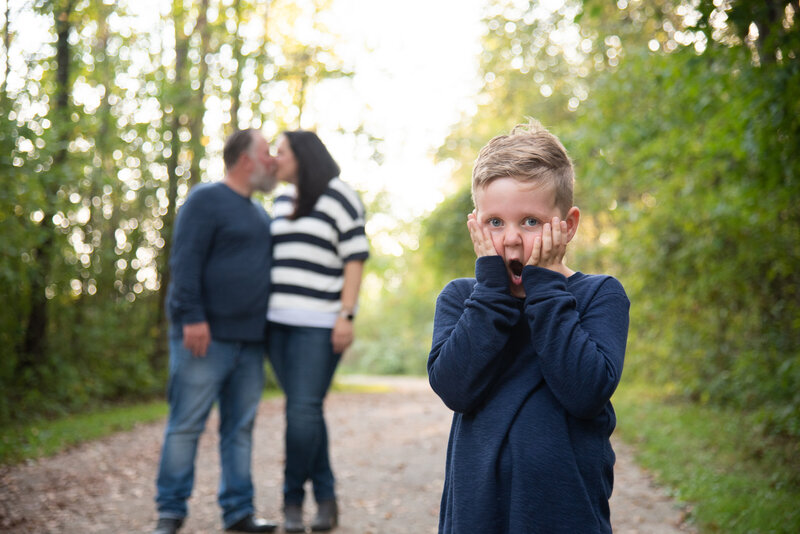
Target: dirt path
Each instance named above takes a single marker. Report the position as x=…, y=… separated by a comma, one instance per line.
x=387, y=451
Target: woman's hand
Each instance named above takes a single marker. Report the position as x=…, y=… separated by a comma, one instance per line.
x=342, y=335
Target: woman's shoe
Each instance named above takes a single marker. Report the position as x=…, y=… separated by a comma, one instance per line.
x=327, y=516
x=293, y=518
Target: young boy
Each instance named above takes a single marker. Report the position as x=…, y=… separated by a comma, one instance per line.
x=527, y=355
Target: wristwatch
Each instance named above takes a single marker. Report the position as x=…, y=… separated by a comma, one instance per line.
x=347, y=314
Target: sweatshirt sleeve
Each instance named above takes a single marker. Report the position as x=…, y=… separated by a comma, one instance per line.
x=581, y=355
x=194, y=231
x=470, y=329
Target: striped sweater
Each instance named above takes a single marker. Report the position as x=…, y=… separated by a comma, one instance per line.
x=310, y=252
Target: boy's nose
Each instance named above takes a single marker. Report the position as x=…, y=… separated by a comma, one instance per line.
x=512, y=237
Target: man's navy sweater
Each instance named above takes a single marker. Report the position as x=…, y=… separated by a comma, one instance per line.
x=530, y=383
x=220, y=264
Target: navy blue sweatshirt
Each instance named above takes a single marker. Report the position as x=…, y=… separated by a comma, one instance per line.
x=530, y=382
x=220, y=263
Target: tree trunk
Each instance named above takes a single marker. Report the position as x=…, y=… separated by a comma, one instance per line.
x=7, y=46
x=301, y=99
x=159, y=355
x=199, y=105
x=35, y=341
x=97, y=224
x=236, y=85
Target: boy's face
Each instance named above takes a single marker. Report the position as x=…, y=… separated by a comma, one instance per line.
x=514, y=214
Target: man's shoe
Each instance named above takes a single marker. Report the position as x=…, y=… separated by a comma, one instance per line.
x=327, y=517
x=168, y=525
x=293, y=518
x=251, y=523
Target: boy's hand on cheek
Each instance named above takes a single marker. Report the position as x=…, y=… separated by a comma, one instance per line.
x=481, y=241
x=550, y=247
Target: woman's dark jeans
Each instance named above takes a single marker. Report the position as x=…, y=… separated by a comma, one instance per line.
x=304, y=363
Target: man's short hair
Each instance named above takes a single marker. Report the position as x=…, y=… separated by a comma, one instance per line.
x=528, y=154
x=238, y=142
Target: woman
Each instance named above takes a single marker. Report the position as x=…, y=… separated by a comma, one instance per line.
x=319, y=253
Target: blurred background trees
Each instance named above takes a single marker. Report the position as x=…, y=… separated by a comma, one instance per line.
x=682, y=118
x=684, y=125
x=102, y=133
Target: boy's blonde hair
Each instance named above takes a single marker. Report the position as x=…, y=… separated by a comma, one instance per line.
x=528, y=154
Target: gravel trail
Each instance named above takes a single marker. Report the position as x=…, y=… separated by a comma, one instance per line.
x=387, y=449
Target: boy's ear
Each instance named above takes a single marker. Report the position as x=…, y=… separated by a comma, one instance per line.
x=573, y=218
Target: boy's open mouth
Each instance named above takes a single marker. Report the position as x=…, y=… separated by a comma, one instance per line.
x=515, y=266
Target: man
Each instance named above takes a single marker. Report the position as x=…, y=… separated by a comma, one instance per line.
x=217, y=302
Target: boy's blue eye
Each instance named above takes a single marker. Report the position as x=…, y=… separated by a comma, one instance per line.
x=495, y=222
x=530, y=221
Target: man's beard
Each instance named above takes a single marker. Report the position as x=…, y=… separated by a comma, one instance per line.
x=261, y=180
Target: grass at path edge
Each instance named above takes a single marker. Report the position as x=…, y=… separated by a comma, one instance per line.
x=735, y=478
x=46, y=437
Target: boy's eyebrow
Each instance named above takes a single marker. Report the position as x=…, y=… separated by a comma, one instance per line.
x=491, y=215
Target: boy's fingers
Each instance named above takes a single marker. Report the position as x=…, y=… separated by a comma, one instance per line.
x=474, y=231
x=480, y=241
x=556, y=232
x=486, y=242
x=564, y=238
x=485, y=232
x=547, y=239
x=471, y=228
x=536, y=252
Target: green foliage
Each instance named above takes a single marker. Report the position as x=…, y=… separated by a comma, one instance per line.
x=707, y=206
x=445, y=240
x=103, y=130
x=395, y=324
x=395, y=320
x=684, y=136
x=733, y=478
x=687, y=178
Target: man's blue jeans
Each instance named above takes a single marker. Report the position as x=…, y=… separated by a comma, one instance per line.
x=304, y=364
x=231, y=373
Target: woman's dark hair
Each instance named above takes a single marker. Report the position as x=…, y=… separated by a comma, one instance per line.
x=315, y=168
